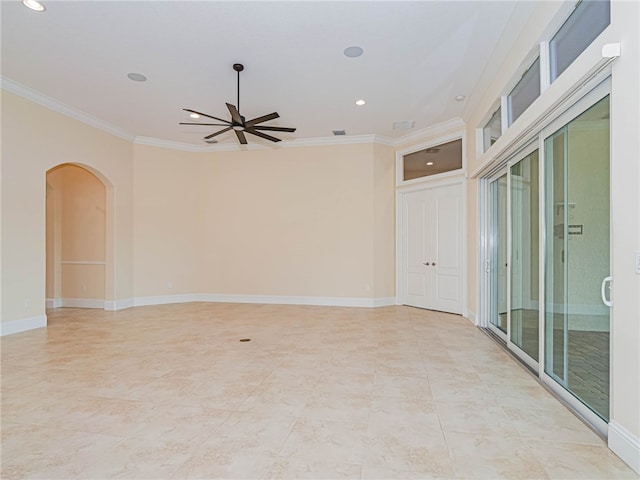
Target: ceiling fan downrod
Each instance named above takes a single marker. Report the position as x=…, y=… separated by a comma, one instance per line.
x=238, y=67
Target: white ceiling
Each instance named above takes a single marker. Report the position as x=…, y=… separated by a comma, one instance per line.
x=417, y=57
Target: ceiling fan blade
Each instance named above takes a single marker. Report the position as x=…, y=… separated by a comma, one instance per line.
x=261, y=119
x=217, y=133
x=274, y=129
x=235, y=114
x=260, y=134
x=241, y=138
x=226, y=122
x=206, y=124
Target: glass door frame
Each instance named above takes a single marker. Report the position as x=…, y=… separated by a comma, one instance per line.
x=514, y=159
x=528, y=144
x=587, y=101
x=491, y=242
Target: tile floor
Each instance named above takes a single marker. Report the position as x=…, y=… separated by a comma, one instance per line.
x=318, y=393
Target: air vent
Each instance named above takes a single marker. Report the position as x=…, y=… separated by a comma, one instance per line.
x=211, y=140
x=406, y=125
x=339, y=132
x=432, y=150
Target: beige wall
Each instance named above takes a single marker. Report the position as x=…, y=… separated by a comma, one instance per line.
x=26, y=157
x=384, y=218
x=168, y=224
x=274, y=221
x=76, y=234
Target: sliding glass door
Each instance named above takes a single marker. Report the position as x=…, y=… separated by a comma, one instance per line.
x=498, y=253
x=548, y=255
x=524, y=305
x=577, y=257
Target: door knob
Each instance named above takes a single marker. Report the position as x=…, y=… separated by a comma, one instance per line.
x=426, y=263
x=433, y=264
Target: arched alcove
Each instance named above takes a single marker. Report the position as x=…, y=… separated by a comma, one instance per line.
x=77, y=237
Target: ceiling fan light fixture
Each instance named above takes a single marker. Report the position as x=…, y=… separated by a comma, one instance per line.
x=34, y=5
x=194, y=115
x=238, y=128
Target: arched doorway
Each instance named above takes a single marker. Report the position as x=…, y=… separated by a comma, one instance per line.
x=76, y=238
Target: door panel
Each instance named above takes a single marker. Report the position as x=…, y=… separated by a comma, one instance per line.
x=432, y=253
x=415, y=239
x=498, y=253
x=578, y=231
x=525, y=298
x=448, y=252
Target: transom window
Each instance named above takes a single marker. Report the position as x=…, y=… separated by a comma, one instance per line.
x=433, y=160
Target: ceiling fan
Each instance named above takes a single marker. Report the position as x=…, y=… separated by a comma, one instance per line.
x=238, y=123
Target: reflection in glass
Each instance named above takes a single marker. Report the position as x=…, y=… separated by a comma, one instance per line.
x=525, y=254
x=587, y=21
x=577, y=219
x=492, y=130
x=498, y=262
x=525, y=92
x=433, y=160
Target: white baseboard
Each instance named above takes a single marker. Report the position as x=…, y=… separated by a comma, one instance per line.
x=384, y=302
x=166, y=299
x=471, y=315
x=624, y=444
x=114, y=305
x=22, y=325
x=54, y=302
x=82, y=303
x=266, y=299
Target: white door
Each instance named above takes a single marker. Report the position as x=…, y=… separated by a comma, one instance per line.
x=416, y=271
x=447, y=248
x=432, y=249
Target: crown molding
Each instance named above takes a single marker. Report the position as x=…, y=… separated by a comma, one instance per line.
x=59, y=107
x=431, y=131
x=235, y=147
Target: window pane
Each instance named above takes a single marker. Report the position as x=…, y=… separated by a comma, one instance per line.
x=525, y=255
x=433, y=160
x=525, y=92
x=586, y=22
x=577, y=256
x=492, y=130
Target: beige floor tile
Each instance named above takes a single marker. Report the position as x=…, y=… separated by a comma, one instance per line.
x=479, y=456
x=290, y=469
x=318, y=392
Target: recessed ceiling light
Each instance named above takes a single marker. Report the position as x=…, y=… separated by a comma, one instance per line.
x=353, y=52
x=137, y=77
x=429, y=164
x=460, y=98
x=194, y=115
x=34, y=5
x=361, y=102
